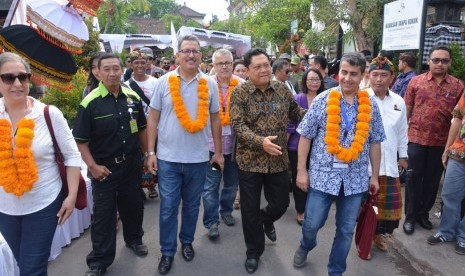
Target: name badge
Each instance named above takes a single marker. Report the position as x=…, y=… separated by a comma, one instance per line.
x=226, y=130
x=339, y=164
x=133, y=125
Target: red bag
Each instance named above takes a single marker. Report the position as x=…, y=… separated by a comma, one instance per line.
x=366, y=227
x=81, y=199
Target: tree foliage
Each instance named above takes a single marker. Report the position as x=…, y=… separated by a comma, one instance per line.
x=363, y=17
x=114, y=14
x=89, y=49
x=158, y=8
x=270, y=21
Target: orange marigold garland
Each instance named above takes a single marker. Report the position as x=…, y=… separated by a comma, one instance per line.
x=224, y=113
x=18, y=170
x=333, y=145
x=189, y=125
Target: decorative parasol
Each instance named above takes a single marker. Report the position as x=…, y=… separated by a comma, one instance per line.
x=50, y=64
x=88, y=6
x=59, y=24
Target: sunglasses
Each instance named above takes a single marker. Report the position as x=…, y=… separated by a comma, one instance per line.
x=440, y=60
x=11, y=78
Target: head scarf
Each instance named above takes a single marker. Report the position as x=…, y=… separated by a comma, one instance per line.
x=381, y=63
x=133, y=55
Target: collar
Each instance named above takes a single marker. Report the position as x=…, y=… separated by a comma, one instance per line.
x=197, y=77
x=102, y=89
x=271, y=85
x=447, y=77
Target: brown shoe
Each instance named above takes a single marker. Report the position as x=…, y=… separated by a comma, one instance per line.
x=381, y=243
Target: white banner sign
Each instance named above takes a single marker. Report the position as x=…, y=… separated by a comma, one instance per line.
x=402, y=25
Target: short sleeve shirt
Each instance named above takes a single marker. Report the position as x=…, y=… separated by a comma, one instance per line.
x=457, y=149
x=174, y=143
x=323, y=176
x=431, y=108
x=104, y=121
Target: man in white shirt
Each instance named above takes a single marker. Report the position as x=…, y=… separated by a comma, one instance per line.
x=394, y=114
x=281, y=72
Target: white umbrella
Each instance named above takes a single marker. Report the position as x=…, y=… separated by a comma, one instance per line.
x=59, y=24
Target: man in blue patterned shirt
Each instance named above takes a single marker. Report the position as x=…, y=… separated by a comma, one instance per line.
x=407, y=64
x=332, y=179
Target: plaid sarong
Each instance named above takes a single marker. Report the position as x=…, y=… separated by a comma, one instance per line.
x=389, y=199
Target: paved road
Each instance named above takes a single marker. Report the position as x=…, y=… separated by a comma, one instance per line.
x=226, y=256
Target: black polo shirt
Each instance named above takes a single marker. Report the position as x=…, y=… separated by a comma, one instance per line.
x=104, y=122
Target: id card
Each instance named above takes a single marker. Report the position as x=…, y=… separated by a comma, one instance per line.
x=226, y=130
x=133, y=125
x=339, y=164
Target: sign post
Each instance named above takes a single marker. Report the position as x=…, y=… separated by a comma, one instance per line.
x=403, y=25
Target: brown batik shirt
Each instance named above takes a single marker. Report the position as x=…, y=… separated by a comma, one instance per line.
x=256, y=114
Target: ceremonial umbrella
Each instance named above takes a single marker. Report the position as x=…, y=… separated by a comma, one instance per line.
x=87, y=6
x=59, y=24
x=50, y=64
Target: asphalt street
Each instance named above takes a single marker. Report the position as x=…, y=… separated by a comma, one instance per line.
x=226, y=256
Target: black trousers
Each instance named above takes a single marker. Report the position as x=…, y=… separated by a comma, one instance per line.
x=426, y=169
x=275, y=186
x=121, y=192
x=300, y=197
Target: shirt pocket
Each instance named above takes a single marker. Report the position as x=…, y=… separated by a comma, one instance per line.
x=104, y=124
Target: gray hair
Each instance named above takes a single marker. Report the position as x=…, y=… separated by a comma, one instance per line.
x=355, y=59
x=222, y=52
x=12, y=57
x=188, y=38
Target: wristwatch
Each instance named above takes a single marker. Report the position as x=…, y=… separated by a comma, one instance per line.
x=150, y=153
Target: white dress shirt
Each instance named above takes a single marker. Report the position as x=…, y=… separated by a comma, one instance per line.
x=288, y=84
x=48, y=185
x=394, y=114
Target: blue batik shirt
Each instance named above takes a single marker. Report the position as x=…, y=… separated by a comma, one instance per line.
x=322, y=173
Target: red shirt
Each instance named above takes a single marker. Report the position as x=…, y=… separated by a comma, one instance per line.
x=431, y=108
x=457, y=149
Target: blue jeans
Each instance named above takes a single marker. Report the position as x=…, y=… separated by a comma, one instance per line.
x=316, y=213
x=30, y=237
x=178, y=181
x=453, y=192
x=211, y=198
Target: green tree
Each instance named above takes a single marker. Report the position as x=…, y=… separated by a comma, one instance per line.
x=158, y=8
x=89, y=49
x=457, y=67
x=114, y=14
x=364, y=18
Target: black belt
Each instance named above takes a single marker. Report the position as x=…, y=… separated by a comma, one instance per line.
x=115, y=160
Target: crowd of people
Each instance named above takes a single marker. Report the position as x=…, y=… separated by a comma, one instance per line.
x=221, y=136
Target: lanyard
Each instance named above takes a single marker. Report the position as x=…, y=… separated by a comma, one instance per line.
x=345, y=118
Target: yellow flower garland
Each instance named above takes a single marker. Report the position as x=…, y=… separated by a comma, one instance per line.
x=180, y=109
x=224, y=113
x=18, y=170
x=362, y=126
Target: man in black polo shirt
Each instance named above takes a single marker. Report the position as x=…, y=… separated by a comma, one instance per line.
x=109, y=130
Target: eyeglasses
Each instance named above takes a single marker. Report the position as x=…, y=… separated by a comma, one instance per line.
x=166, y=63
x=189, y=51
x=224, y=64
x=314, y=80
x=9, y=79
x=440, y=60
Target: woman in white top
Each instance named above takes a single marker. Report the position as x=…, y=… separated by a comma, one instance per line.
x=31, y=202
